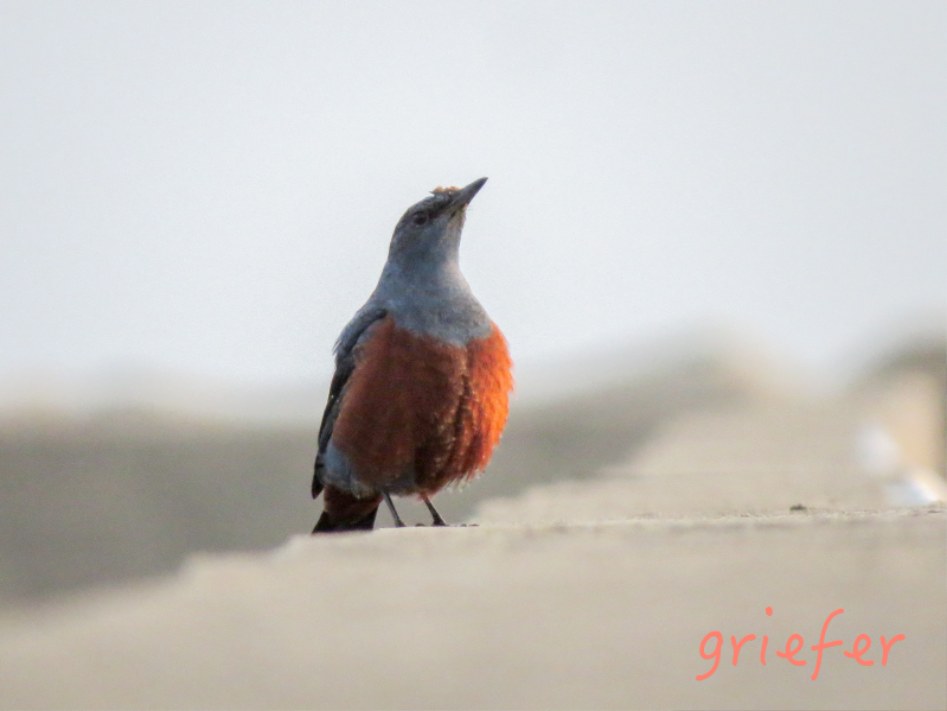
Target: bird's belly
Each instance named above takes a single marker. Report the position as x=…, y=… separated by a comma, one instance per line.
x=419, y=413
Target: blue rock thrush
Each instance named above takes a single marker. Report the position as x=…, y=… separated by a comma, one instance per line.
x=422, y=378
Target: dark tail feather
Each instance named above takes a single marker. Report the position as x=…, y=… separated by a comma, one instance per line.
x=327, y=525
x=344, y=512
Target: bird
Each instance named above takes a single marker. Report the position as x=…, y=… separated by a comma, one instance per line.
x=423, y=376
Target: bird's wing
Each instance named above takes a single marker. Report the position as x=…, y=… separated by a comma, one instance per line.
x=345, y=351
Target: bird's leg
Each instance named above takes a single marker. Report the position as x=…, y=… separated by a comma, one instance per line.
x=394, y=513
x=438, y=521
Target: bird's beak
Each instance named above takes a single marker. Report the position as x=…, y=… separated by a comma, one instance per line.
x=463, y=196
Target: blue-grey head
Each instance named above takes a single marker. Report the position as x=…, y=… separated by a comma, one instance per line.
x=428, y=234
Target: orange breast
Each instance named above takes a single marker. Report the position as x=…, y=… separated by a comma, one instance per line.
x=418, y=414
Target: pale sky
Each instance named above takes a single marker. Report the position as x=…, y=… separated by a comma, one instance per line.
x=210, y=187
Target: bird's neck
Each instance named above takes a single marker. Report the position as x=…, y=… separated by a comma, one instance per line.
x=432, y=300
x=429, y=273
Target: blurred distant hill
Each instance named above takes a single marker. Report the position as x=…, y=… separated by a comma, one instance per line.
x=98, y=495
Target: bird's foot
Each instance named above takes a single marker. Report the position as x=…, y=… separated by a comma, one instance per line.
x=394, y=512
x=437, y=519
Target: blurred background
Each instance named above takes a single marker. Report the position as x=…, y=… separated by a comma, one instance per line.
x=690, y=206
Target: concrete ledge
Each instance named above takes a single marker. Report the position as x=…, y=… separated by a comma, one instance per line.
x=607, y=615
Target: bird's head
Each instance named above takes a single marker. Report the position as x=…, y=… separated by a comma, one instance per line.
x=429, y=232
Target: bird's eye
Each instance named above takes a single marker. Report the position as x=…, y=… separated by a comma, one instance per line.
x=420, y=218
